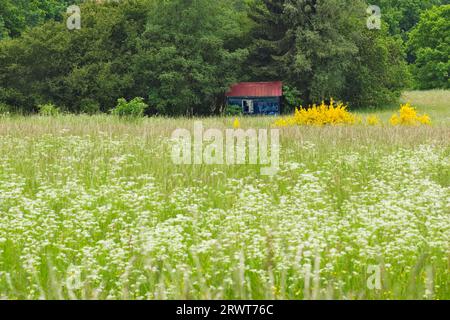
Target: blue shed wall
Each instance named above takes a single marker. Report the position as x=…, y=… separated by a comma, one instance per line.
x=262, y=105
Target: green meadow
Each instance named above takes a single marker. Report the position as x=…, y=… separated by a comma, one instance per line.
x=92, y=207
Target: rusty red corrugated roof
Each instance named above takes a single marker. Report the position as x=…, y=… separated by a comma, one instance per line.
x=256, y=89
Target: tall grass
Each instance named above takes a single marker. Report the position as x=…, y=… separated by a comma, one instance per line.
x=93, y=207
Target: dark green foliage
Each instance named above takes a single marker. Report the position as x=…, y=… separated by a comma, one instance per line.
x=429, y=44
x=379, y=73
x=268, y=38
x=186, y=56
x=49, y=63
x=291, y=100
x=4, y=108
x=90, y=106
x=180, y=56
x=17, y=15
x=233, y=110
x=323, y=49
x=402, y=15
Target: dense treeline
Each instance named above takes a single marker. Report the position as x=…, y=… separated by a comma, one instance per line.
x=324, y=49
x=18, y=15
x=429, y=46
x=181, y=56
x=402, y=15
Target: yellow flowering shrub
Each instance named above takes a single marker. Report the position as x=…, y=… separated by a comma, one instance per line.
x=236, y=123
x=332, y=114
x=408, y=116
x=337, y=114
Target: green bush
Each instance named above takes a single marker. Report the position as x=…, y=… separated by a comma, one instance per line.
x=89, y=106
x=48, y=110
x=233, y=110
x=134, y=109
x=291, y=99
x=4, y=109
